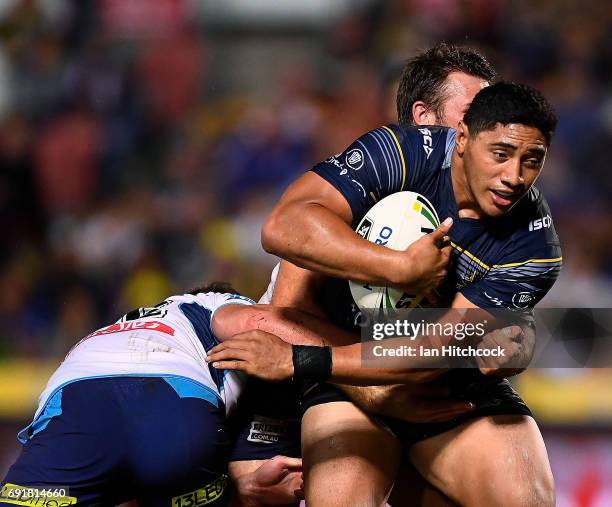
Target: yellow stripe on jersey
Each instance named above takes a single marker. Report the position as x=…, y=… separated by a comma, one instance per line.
x=399, y=149
x=509, y=265
x=373, y=196
x=514, y=264
x=471, y=256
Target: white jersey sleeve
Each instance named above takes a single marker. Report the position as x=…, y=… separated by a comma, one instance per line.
x=266, y=297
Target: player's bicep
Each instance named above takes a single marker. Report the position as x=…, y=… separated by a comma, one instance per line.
x=311, y=189
x=229, y=314
x=228, y=321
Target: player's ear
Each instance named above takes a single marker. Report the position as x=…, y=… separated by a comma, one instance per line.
x=461, y=137
x=422, y=115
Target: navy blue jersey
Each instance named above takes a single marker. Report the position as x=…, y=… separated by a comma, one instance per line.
x=506, y=262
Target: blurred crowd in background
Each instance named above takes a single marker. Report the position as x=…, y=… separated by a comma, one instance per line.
x=142, y=142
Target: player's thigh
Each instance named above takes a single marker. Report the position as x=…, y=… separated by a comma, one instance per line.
x=410, y=488
x=348, y=460
x=494, y=460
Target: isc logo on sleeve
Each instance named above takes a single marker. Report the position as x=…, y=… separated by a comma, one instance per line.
x=540, y=223
x=427, y=141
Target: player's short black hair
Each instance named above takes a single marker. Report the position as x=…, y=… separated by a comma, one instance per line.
x=221, y=287
x=505, y=103
x=424, y=76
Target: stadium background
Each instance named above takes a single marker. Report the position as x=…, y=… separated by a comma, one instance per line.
x=143, y=141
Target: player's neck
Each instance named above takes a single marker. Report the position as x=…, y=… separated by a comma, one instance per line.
x=467, y=206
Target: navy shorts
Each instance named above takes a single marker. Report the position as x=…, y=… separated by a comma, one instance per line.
x=266, y=422
x=161, y=440
x=491, y=395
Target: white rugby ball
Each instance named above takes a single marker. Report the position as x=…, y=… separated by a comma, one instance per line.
x=395, y=222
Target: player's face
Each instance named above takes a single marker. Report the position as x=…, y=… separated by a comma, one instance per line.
x=500, y=165
x=460, y=89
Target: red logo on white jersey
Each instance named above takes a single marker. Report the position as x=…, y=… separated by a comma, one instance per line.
x=133, y=325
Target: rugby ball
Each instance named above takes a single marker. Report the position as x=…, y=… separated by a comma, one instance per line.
x=395, y=222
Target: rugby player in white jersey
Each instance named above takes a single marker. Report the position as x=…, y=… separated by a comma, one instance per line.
x=134, y=411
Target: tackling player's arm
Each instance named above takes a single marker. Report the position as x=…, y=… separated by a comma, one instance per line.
x=262, y=353
x=289, y=325
x=516, y=341
x=260, y=349
x=261, y=337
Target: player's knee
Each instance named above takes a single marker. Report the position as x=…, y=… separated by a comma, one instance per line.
x=543, y=491
x=536, y=495
x=536, y=491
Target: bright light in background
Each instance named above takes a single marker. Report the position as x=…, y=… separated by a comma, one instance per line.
x=273, y=11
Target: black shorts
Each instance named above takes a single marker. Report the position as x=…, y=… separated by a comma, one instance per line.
x=491, y=395
x=266, y=422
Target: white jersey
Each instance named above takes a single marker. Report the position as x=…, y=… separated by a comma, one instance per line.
x=170, y=339
x=266, y=297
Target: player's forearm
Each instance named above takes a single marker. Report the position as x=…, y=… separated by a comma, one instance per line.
x=297, y=327
x=313, y=237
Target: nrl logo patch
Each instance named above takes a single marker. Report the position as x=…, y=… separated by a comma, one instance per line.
x=522, y=299
x=354, y=159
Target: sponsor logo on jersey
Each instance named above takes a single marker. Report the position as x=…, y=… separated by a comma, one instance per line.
x=134, y=325
x=540, y=223
x=522, y=299
x=203, y=496
x=265, y=430
x=365, y=228
x=354, y=159
x=427, y=141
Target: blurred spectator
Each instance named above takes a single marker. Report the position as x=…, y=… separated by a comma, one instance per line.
x=66, y=164
x=130, y=172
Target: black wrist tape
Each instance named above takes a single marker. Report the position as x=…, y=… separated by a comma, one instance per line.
x=312, y=363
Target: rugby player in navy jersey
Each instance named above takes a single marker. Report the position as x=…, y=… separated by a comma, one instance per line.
x=436, y=87
x=482, y=177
